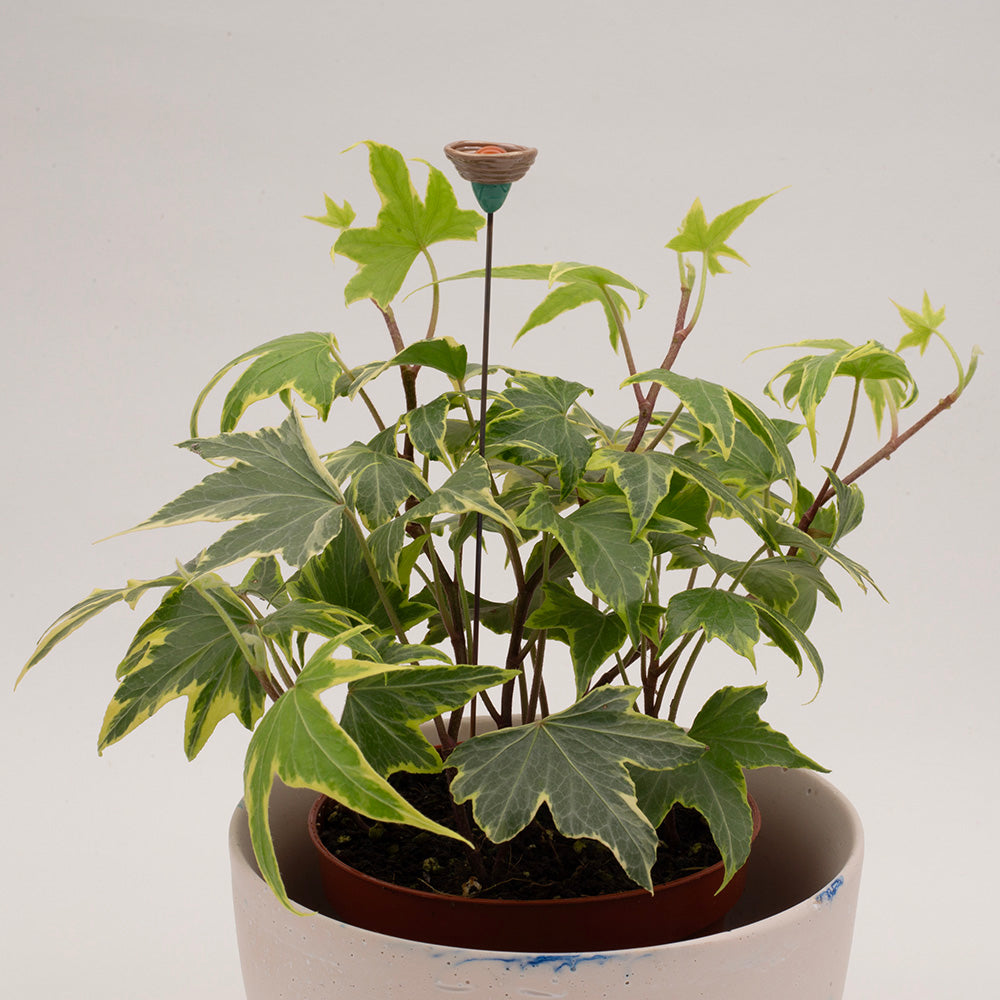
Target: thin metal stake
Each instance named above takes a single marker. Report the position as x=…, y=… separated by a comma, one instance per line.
x=482, y=436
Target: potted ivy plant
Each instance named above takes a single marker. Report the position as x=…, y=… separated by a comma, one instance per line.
x=355, y=566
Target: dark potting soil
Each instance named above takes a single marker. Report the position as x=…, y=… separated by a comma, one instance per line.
x=539, y=863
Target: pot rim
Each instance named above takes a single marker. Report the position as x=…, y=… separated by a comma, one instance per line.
x=704, y=873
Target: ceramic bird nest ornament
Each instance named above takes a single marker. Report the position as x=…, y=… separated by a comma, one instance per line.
x=491, y=167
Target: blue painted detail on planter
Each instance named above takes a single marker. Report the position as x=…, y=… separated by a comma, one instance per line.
x=830, y=892
x=555, y=962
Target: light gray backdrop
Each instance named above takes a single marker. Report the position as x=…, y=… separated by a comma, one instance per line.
x=155, y=164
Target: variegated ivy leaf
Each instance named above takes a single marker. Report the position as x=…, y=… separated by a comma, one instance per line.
x=788, y=637
x=428, y=428
x=531, y=425
x=574, y=284
x=465, y=491
x=382, y=714
x=697, y=235
x=379, y=480
x=338, y=577
x=201, y=644
x=737, y=737
x=406, y=226
x=597, y=537
x=707, y=402
x=300, y=742
x=883, y=373
x=788, y=534
x=593, y=636
x=575, y=762
x=441, y=353
x=302, y=363
x=722, y=615
x=276, y=486
x=774, y=435
x=849, y=509
x=714, y=487
x=93, y=604
x=644, y=477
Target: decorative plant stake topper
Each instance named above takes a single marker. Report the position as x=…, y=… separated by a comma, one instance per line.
x=492, y=168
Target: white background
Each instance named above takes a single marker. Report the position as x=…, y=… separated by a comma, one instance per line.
x=155, y=165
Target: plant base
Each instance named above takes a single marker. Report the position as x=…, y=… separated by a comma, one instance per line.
x=788, y=938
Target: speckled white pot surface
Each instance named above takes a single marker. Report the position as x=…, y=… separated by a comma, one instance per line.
x=788, y=939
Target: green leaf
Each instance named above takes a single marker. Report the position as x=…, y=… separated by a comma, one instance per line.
x=707, y=402
x=592, y=635
x=194, y=645
x=441, y=353
x=849, y=510
x=598, y=539
x=336, y=216
x=723, y=615
x=276, y=486
x=768, y=433
x=338, y=577
x=93, y=604
x=465, y=491
x=301, y=362
x=712, y=485
x=299, y=742
x=697, y=235
x=405, y=227
x=382, y=714
x=313, y=617
x=786, y=635
x=714, y=784
x=575, y=762
x=535, y=426
x=379, y=480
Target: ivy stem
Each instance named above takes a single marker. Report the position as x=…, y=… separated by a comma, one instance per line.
x=366, y=399
x=682, y=683
x=435, y=297
x=884, y=453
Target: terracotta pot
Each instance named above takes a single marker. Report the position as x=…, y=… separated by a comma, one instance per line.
x=676, y=910
x=788, y=938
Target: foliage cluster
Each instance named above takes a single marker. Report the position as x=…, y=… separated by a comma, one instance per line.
x=361, y=558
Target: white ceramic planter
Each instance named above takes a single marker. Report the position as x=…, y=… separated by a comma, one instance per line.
x=788, y=939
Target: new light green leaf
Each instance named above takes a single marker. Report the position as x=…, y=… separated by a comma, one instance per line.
x=337, y=216
x=575, y=762
x=593, y=636
x=723, y=615
x=383, y=714
x=697, y=235
x=300, y=742
x=199, y=644
x=302, y=363
x=276, y=485
x=707, y=402
x=405, y=227
x=597, y=537
x=922, y=325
